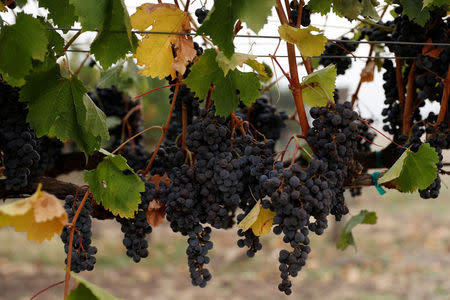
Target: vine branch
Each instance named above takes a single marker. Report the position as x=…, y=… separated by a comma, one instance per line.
x=410, y=92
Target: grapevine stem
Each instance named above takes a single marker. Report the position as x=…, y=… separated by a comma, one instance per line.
x=407, y=112
x=299, y=14
x=72, y=230
x=135, y=136
x=281, y=68
x=46, y=289
x=400, y=83
x=176, y=3
x=82, y=64
x=155, y=89
x=187, y=5
x=280, y=12
x=164, y=131
x=444, y=102
x=307, y=64
x=70, y=42
x=294, y=81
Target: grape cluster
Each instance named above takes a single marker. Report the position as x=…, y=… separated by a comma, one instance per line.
x=82, y=251
x=18, y=141
x=306, y=14
x=338, y=49
x=137, y=228
x=198, y=246
x=201, y=14
x=303, y=196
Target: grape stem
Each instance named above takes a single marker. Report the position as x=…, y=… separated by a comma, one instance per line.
x=299, y=15
x=444, y=101
x=389, y=139
x=164, y=131
x=70, y=42
x=46, y=289
x=400, y=83
x=155, y=89
x=410, y=92
x=69, y=254
x=135, y=136
x=127, y=116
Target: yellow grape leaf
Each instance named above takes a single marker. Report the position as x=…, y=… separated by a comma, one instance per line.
x=308, y=43
x=237, y=59
x=251, y=217
x=41, y=215
x=264, y=222
x=154, y=51
x=3, y=7
x=264, y=71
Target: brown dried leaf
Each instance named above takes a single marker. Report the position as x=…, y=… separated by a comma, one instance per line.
x=156, y=179
x=367, y=73
x=155, y=213
x=184, y=48
x=48, y=207
x=431, y=51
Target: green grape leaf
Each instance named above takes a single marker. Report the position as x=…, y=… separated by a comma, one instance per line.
x=114, y=39
x=61, y=11
x=111, y=77
x=350, y=9
x=55, y=40
x=320, y=6
x=219, y=24
x=115, y=185
x=20, y=44
x=427, y=3
x=416, y=11
x=346, y=239
x=237, y=59
x=206, y=71
x=319, y=86
x=413, y=171
x=86, y=290
x=59, y=107
x=308, y=43
x=254, y=12
x=368, y=10
x=92, y=14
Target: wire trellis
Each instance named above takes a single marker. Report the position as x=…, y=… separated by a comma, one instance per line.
x=285, y=56
x=270, y=37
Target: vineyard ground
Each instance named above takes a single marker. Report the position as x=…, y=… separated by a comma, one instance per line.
x=405, y=256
